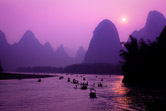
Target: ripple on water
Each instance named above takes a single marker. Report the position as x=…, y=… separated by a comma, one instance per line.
x=52, y=94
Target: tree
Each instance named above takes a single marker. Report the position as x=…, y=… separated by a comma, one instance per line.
x=1, y=69
x=144, y=62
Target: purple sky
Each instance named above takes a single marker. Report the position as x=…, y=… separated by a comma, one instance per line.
x=71, y=22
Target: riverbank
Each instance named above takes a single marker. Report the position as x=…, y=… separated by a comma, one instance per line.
x=4, y=76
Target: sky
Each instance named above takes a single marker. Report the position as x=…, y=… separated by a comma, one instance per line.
x=72, y=22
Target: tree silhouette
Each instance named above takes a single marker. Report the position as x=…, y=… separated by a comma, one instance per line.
x=96, y=68
x=1, y=69
x=143, y=62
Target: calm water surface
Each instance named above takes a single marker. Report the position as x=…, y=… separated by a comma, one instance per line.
x=52, y=94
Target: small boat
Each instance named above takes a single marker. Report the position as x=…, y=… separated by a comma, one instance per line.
x=92, y=93
x=75, y=81
x=68, y=80
x=39, y=80
x=84, y=79
x=75, y=87
x=100, y=85
x=87, y=83
x=61, y=77
x=101, y=79
x=83, y=87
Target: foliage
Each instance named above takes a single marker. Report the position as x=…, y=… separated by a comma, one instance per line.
x=144, y=62
x=1, y=69
x=97, y=68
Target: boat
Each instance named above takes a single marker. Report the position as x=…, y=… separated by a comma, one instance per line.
x=75, y=87
x=61, y=77
x=75, y=81
x=100, y=85
x=84, y=79
x=39, y=80
x=68, y=80
x=84, y=87
x=92, y=93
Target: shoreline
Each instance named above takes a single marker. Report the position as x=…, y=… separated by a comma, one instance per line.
x=6, y=76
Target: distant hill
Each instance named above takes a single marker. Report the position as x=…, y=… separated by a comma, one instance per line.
x=29, y=52
x=80, y=54
x=3, y=40
x=6, y=56
x=105, y=45
x=153, y=27
x=61, y=57
x=70, y=51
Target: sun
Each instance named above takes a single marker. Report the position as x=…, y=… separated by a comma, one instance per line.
x=123, y=19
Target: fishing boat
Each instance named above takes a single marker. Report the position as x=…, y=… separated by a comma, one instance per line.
x=92, y=93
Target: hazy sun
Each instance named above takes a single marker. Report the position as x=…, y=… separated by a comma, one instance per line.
x=123, y=19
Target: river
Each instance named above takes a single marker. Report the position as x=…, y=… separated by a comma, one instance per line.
x=52, y=94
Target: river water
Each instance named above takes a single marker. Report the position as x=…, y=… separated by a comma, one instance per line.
x=52, y=94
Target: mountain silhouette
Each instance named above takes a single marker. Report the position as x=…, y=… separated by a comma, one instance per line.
x=48, y=47
x=5, y=51
x=29, y=52
x=70, y=51
x=153, y=27
x=60, y=52
x=80, y=54
x=62, y=58
x=28, y=44
x=3, y=40
x=29, y=39
x=105, y=45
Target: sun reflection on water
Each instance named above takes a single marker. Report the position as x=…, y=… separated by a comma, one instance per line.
x=121, y=99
